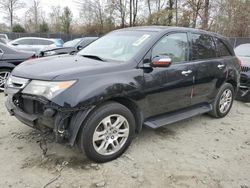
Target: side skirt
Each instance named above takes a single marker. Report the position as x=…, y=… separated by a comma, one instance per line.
x=165, y=119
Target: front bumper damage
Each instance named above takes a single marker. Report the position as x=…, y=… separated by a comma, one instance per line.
x=244, y=90
x=44, y=115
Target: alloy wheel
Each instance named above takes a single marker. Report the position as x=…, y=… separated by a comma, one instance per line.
x=4, y=75
x=225, y=101
x=111, y=134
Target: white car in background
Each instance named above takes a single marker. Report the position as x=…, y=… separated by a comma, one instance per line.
x=35, y=44
x=4, y=38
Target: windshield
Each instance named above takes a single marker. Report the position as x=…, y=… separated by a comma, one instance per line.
x=72, y=43
x=243, y=50
x=117, y=46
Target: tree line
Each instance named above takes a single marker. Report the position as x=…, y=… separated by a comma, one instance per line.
x=227, y=17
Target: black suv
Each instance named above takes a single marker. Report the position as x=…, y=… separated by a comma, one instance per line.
x=100, y=97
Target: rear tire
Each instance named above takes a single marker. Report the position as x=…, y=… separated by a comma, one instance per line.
x=107, y=132
x=223, y=101
x=4, y=74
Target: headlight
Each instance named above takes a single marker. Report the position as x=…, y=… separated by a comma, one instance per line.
x=47, y=89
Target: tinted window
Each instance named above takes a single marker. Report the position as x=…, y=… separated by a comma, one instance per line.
x=86, y=42
x=203, y=47
x=42, y=42
x=222, y=48
x=1, y=51
x=173, y=45
x=72, y=43
x=25, y=41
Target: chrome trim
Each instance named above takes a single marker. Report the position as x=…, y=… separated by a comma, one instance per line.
x=245, y=69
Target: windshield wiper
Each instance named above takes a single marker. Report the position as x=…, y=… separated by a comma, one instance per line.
x=94, y=57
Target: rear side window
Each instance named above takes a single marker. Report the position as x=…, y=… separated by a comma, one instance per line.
x=25, y=42
x=42, y=42
x=222, y=48
x=203, y=47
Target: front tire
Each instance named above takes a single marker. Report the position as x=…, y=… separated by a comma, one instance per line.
x=107, y=132
x=223, y=101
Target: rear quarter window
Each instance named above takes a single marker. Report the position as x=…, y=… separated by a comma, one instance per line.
x=203, y=47
x=222, y=49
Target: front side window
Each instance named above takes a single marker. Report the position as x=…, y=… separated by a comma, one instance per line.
x=119, y=46
x=173, y=45
x=203, y=47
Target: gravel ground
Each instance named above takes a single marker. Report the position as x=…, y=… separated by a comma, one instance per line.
x=198, y=152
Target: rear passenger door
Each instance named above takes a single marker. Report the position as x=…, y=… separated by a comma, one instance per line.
x=208, y=67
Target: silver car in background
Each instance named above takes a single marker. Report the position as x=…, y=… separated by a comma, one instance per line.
x=243, y=53
x=35, y=44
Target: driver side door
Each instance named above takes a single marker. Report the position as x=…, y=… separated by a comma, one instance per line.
x=169, y=88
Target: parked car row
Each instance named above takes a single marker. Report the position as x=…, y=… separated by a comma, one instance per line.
x=9, y=58
x=17, y=51
x=35, y=44
x=100, y=97
x=68, y=47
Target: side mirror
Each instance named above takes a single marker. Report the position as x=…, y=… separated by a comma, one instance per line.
x=161, y=61
x=15, y=44
x=79, y=48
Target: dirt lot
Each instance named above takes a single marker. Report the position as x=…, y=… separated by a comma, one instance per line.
x=199, y=152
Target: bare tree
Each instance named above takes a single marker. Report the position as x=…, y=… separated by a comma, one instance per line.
x=9, y=7
x=55, y=18
x=171, y=12
x=205, y=17
x=33, y=16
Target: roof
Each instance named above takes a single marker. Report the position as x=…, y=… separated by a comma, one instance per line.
x=51, y=39
x=166, y=28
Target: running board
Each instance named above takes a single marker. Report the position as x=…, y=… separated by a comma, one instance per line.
x=162, y=120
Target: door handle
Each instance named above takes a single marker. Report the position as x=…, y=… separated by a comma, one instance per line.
x=221, y=66
x=186, y=73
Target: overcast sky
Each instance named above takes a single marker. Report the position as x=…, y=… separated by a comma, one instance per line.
x=46, y=6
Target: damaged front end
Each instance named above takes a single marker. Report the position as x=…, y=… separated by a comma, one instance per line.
x=244, y=90
x=42, y=114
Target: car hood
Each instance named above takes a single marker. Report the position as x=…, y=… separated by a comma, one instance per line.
x=245, y=61
x=63, y=67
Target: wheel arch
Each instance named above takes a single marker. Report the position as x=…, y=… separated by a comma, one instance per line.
x=233, y=83
x=6, y=65
x=133, y=107
x=80, y=117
